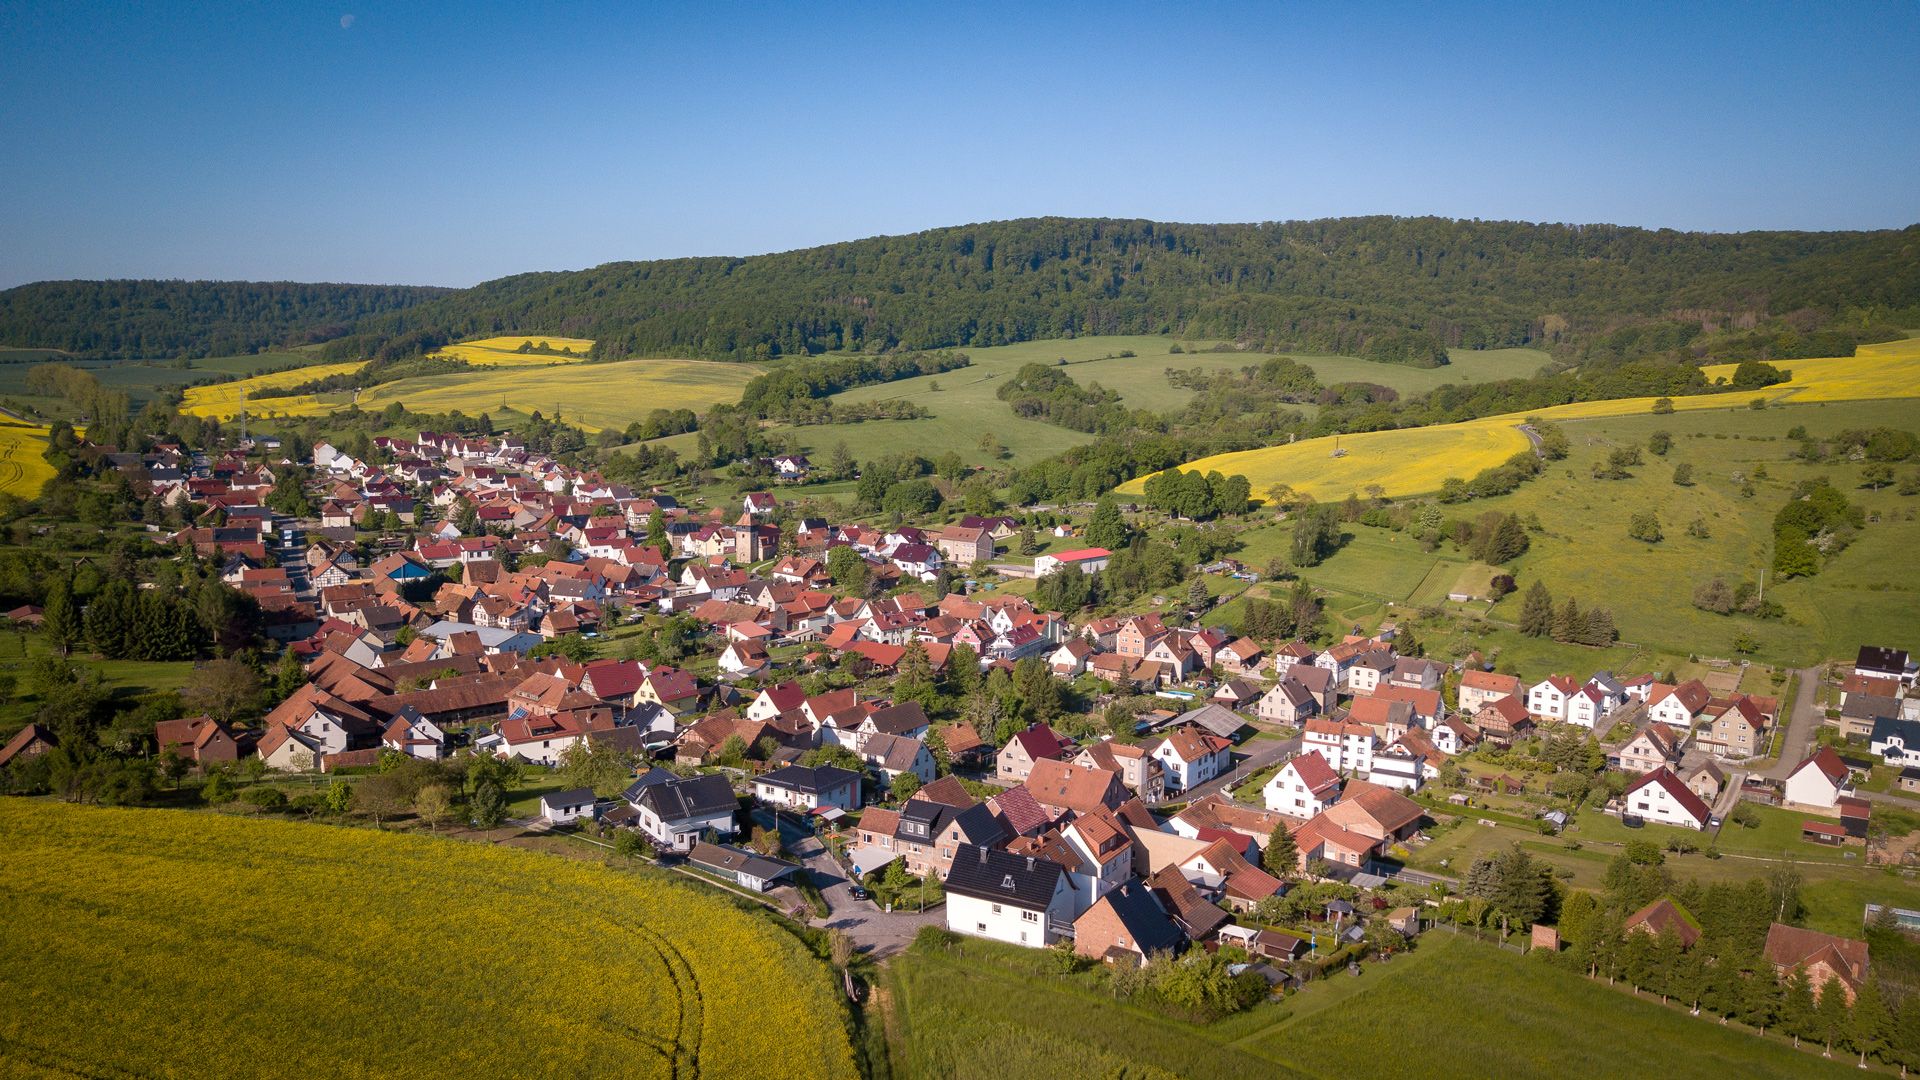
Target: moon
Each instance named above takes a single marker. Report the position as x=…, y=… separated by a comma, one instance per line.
x=346, y=22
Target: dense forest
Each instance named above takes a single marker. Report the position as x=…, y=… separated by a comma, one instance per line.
x=169, y=319
x=1394, y=289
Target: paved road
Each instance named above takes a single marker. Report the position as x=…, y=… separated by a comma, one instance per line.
x=1265, y=754
x=1802, y=726
x=873, y=930
x=1905, y=802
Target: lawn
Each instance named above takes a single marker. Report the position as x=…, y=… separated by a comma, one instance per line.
x=978, y=1011
x=193, y=943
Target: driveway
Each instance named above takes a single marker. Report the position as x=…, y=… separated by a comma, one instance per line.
x=876, y=932
x=1265, y=753
x=1802, y=726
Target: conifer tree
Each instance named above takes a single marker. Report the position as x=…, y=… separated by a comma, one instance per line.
x=1536, y=611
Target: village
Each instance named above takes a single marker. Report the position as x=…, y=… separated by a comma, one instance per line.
x=765, y=707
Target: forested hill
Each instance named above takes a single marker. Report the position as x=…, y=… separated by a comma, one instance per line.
x=1389, y=288
x=154, y=319
x=1399, y=289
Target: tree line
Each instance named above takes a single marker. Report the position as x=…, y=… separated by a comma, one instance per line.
x=1395, y=289
x=155, y=319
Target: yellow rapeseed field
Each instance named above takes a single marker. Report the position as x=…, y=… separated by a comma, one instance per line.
x=594, y=396
x=499, y=351
x=223, y=400
x=23, y=469
x=1409, y=461
x=183, y=944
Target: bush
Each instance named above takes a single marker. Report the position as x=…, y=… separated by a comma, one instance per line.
x=265, y=798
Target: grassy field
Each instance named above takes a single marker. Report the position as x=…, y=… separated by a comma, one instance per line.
x=500, y=351
x=1857, y=597
x=1583, y=548
x=964, y=407
x=22, y=467
x=1835, y=893
x=595, y=396
x=180, y=943
x=977, y=1011
x=1412, y=461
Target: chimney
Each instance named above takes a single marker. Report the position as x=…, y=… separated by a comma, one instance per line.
x=983, y=854
x=1029, y=862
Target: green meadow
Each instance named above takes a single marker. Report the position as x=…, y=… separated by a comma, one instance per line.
x=1582, y=549
x=983, y=1010
x=964, y=406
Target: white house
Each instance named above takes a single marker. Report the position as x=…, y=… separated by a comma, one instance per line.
x=1679, y=706
x=1347, y=746
x=1660, y=796
x=675, y=813
x=1104, y=849
x=1018, y=899
x=415, y=736
x=1589, y=705
x=1399, y=768
x=561, y=807
x=892, y=756
x=1303, y=787
x=1089, y=560
x=800, y=787
x=1454, y=736
x=1190, y=757
x=1896, y=741
x=1547, y=698
x=1820, y=780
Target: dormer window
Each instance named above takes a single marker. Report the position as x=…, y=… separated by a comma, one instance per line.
x=1007, y=882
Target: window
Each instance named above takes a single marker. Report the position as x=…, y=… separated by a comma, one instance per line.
x=979, y=928
x=996, y=909
x=1030, y=916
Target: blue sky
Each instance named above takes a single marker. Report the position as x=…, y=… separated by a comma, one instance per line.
x=448, y=145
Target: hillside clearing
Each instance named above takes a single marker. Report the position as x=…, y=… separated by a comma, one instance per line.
x=176, y=943
x=964, y=407
x=1582, y=548
x=1412, y=461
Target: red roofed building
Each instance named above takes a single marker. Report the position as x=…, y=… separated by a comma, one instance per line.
x=199, y=739
x=1035, y=743
x=1662, y=916
x=1660, y=796
x=1303, y=787
x=1823, y=957
x=1089, y=560
x=1820, y=781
